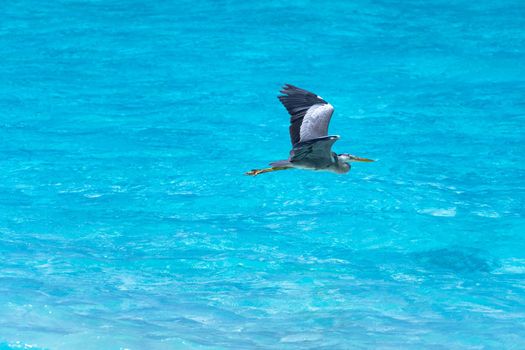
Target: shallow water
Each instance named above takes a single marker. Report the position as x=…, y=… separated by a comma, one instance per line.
x=126, y=221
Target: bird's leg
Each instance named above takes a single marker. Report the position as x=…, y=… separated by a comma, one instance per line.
x=256, y=172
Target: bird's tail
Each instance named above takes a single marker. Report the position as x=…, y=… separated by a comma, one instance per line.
x=281, y=163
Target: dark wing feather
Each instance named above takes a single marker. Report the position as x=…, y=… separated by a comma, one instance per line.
x=315, y=153
x=303, y=105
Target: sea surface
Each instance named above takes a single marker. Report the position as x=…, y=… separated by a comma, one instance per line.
x=126, y=220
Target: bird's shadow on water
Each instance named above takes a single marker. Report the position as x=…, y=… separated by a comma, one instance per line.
x=460, y=260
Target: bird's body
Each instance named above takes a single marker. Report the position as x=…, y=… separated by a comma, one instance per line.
x=311, y=144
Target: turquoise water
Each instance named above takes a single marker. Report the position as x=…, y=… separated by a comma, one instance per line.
x=126, y=221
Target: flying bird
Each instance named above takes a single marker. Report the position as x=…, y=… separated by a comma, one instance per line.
x=311, y=144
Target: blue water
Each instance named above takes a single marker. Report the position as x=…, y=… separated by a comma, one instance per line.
x=126, y=221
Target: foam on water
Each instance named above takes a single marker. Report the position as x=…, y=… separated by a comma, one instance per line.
x=126, y=221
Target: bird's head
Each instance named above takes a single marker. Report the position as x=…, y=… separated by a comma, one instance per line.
x=347, y=158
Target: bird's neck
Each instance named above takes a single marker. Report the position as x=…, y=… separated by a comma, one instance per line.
x=341, y=166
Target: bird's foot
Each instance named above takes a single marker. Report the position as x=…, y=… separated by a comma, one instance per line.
x=254, y=172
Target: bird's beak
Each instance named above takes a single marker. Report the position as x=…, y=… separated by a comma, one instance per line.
x=359, y=159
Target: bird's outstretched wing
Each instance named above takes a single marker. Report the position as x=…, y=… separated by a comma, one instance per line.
x=310, y=114
x=314, y=153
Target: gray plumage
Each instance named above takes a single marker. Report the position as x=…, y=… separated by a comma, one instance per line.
x=310, y=116
x=314, y=153
x=309, y=113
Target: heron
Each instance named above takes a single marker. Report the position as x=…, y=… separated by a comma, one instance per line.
x=310, y=115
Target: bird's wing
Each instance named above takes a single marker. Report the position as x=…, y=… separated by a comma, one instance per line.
x=310, y=114
x=316, y=153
